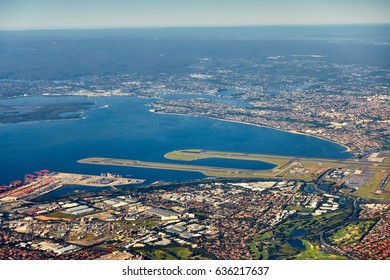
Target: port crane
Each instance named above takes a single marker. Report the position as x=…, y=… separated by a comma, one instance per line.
x=28, y=178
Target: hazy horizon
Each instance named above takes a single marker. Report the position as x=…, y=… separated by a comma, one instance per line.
x=195, y=27
x=103, y=14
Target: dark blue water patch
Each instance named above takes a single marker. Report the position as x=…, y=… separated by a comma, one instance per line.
x=298, y=233
x=296, y=244
x=308, y=188
x=325, y=187
x=68, y=115
x=231, y=163
x=343, y=202
x=69, y=190
x=225, y=92
x=127, y=130
x=42, y=100
x=14, y=112
x=152, y=175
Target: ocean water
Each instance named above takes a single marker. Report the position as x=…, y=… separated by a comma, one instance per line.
x=123, y=127
x=253, y=58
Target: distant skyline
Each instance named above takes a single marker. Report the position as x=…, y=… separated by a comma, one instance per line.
x=84, y=14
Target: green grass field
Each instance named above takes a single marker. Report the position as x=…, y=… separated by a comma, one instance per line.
x=142, y=223
x=313, y=252
x=167, y=253
x=369, y=189
x=276, y=242
x=254, y=251
x=190, y=155
x=351, y=233
x=300, y=209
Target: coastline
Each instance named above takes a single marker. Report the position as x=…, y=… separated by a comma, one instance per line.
x=348, y=149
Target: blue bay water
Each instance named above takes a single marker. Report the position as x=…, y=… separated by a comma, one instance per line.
x=126, y=129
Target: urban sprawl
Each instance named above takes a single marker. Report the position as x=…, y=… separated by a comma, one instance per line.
x=343, y=214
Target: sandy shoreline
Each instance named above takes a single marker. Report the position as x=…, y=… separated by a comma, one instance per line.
x=348, y=149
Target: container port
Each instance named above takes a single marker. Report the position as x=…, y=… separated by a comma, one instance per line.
x=44, y=182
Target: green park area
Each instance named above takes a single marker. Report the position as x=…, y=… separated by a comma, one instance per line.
x=190, y=155
x=296, y=238
x=308, y=251
x=352, y=232
x=313, y=252
x=166, y=253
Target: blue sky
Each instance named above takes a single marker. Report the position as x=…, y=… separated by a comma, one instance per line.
x=53, y=14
